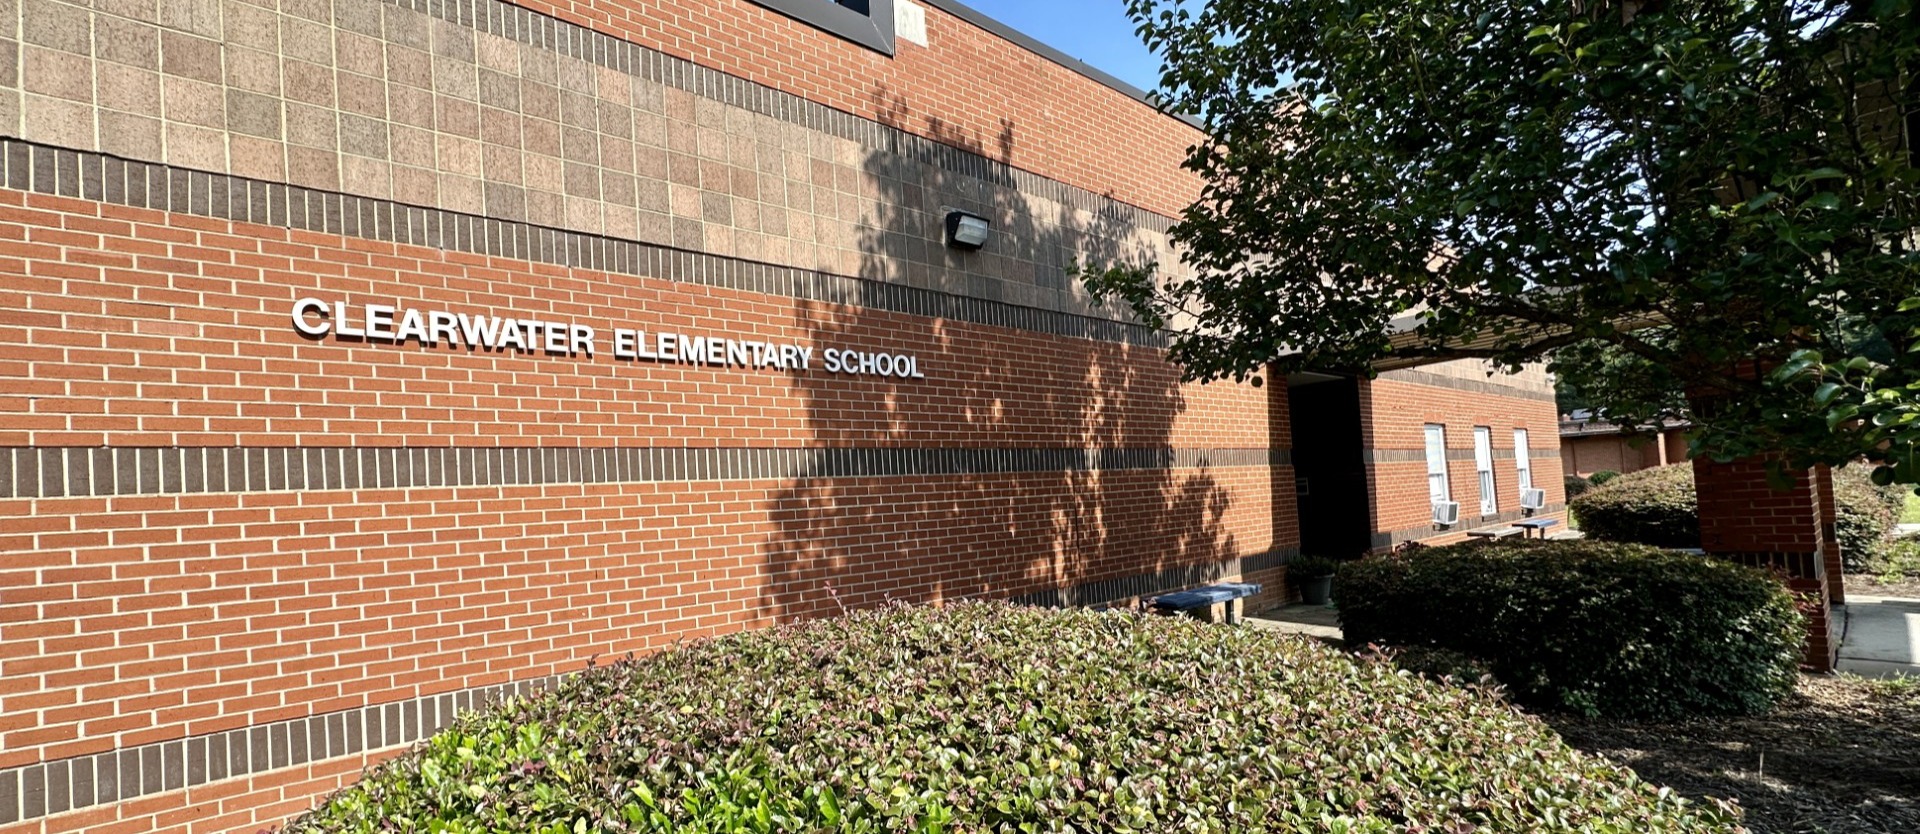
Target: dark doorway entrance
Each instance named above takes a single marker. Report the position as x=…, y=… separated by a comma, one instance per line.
x=1330, y=466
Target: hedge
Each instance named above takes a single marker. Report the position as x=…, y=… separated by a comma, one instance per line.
x=1597, y=628
x=1652, y=506
x=1658, y=506
x=985, y=717
x=1576, y=485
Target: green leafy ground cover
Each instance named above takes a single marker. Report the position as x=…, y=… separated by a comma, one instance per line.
x=987, y=717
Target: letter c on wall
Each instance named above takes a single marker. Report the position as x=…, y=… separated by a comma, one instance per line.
x=315, y=328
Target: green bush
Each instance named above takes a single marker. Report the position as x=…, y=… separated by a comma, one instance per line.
x=1309, y=566
x=1652, y=506
x=1658, y=507
x=1601, y=477
x=985, y=717
x=1577, y=485
x=1591, y=627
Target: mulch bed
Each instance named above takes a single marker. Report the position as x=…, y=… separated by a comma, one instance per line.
x=1871, y=585
x=1841, y=757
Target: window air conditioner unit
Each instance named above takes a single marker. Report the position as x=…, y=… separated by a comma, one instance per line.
x=1533, y=499
x=1446, y=513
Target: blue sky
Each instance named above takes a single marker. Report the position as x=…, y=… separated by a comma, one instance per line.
x=1095, y=31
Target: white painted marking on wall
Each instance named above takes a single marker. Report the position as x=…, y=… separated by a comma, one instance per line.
x=909, y=22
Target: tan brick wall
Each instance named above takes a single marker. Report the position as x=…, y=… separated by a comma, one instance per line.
x=375, y=99
x=1064, y=124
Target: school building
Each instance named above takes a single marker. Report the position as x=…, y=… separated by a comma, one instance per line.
x=361, y=360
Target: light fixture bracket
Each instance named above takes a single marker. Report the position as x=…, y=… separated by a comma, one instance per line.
x=967, y=231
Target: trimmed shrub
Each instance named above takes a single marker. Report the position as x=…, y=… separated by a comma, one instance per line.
x=1652, y=506
x=1601, y=477
x=986, y=717
x=1591, y=627
x=1659, y=507
x=1309, y=566
x=1577, y=485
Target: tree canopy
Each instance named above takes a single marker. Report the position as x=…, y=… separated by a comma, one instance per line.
x=1696, y=188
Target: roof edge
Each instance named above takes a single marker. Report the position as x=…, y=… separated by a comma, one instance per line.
x=1027, y=42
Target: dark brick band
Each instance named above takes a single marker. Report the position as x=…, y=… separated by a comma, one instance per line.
x=47, y=788
x=1420, y=455
x=1800, y=565
x=55, y=472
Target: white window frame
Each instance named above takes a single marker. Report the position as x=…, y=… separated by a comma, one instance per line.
x=1483, y=468
x=1522, y=460
x=1438, y=489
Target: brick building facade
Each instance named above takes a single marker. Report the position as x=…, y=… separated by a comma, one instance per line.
x=244, y=551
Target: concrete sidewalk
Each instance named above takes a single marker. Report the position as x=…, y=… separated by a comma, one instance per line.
x=1318, y=621
x=1882, y=636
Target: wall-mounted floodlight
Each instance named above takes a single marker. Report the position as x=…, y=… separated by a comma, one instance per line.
x=966, y=230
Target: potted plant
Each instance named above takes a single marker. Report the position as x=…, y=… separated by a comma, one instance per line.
x=1314, y=576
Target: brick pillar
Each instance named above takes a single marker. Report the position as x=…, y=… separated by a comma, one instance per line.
x=1829, y=519
x=1745, y=519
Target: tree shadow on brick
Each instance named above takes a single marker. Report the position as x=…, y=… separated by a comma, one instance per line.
x=1045, y=469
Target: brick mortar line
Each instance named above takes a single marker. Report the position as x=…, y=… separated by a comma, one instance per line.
x=85, y=472
x=90, y=175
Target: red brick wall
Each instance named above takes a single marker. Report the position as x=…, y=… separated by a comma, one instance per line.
x=1746, y=519
x=966, y=87
x=115, y=314
x=1584, y=456
x=132, y=619
x=1394, y=416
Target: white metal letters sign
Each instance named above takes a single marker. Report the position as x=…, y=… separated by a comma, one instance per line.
x=397, y=325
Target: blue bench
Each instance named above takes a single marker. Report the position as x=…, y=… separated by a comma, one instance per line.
x=1537, y=525
x=1186, y=602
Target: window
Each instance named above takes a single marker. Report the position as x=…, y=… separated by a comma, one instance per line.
x=865, y=22
x=1521, y=465
x=1437, y=489
x=1483, y=466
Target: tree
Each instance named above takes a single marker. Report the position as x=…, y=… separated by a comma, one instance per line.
x=1722, y=191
